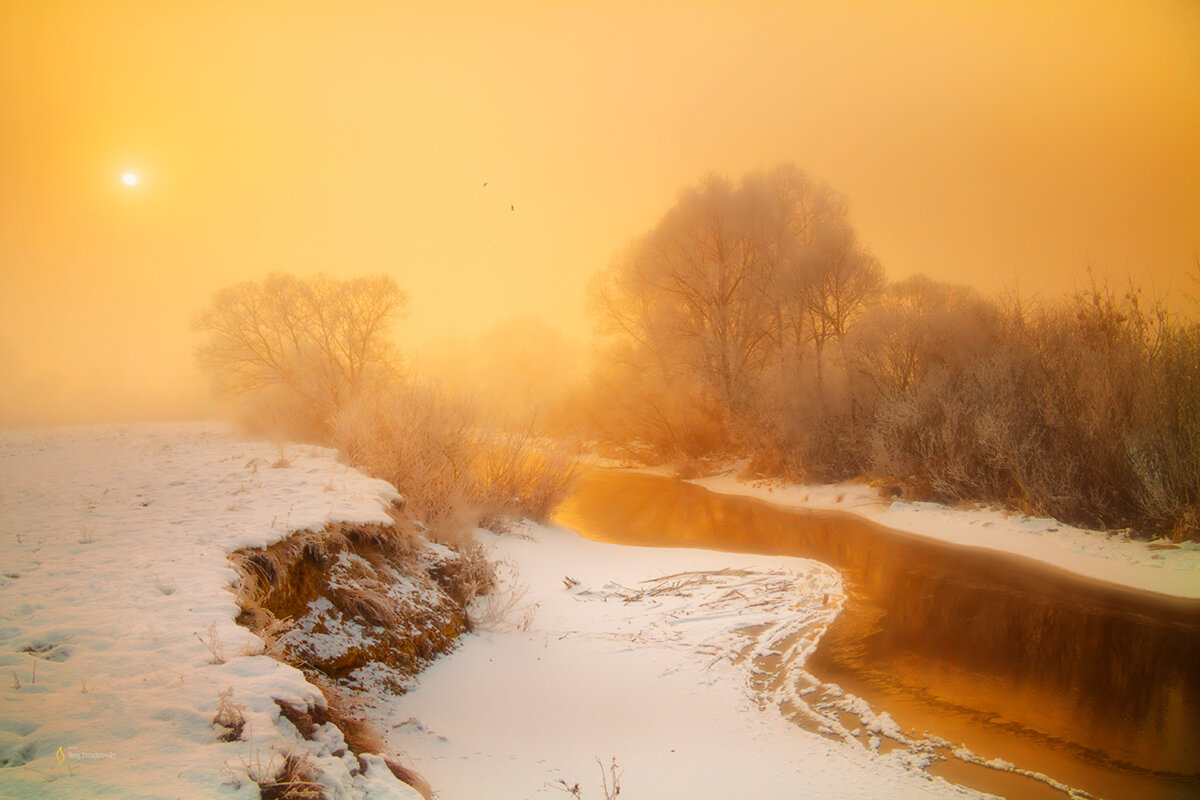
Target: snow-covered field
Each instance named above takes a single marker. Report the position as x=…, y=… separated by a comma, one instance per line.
x=1113, y=557
x=118, y=637
x=115, y=604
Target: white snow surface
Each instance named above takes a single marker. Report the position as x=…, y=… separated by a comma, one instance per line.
x=1112, y=557
x=115, y=602
x=642, y=655
x=114, y=597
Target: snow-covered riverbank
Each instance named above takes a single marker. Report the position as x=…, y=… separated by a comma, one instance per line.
x=1159, y=567
x=117, y=631
x=642, y=655
x=115, y=606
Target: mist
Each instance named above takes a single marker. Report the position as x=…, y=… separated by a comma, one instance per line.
x=778, y=398
x=493, y=159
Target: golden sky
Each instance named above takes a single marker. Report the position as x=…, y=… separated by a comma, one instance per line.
x=1002, y=144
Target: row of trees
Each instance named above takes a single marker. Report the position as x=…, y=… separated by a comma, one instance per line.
x=751, y=321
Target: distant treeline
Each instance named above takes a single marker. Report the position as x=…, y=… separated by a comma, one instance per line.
x=313, y=360
x=751, y=321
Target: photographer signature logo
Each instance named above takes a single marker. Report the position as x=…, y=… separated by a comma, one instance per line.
x=83, y=755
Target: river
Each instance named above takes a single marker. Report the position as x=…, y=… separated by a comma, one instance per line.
x=1093, y=685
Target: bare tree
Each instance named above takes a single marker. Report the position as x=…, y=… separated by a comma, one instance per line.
x=919, y=325
x=737, y=279
x=311, y=343
x=829, y=280
x=690, y=291
x=1194, y=278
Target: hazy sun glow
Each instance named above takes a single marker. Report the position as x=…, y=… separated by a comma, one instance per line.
x=1001, y=143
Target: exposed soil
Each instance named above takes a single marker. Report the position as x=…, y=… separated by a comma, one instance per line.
x=359, y=609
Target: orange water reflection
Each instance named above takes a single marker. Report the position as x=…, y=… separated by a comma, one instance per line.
x=1096, y=686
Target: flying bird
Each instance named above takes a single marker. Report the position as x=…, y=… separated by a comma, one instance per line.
x=512, y=208
x=485, y=183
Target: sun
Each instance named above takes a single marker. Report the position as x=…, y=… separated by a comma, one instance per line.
x=129, y=178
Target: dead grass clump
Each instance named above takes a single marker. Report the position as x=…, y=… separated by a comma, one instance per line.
x=314, y=583
x=293, y=779
x=471, y=575
x=342, y=709
x=470, y=571
x=356, y=572
x=215, y=649
x=610, y=782
x=305, y=720
x=503, y=607
x=292, y=568
x=230, y=715
x=412, y=778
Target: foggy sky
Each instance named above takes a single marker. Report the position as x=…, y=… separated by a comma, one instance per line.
x=1006, y=145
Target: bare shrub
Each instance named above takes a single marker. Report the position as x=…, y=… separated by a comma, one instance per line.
x=522, y=474
x=648, y=410
x=1164, y=450
x=230, y=715
x=455, y=475
x=750, y=322
x=802, y=430
x=215, y=649
x=1085, y=410
x=504, y=607
x=417, y=438
x=428, y=445
x=610, y=782
x=610, y=779
x=291, y=776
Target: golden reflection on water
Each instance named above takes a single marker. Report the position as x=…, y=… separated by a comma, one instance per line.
x=1095, y=686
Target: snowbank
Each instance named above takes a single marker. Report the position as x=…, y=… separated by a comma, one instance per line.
x=117, y=632
x=649, y=656
x=1158, y=567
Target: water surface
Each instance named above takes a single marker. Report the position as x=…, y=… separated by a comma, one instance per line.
x=1094, y=685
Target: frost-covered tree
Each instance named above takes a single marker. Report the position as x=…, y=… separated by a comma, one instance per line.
x=737, y=281
x=302, y=347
